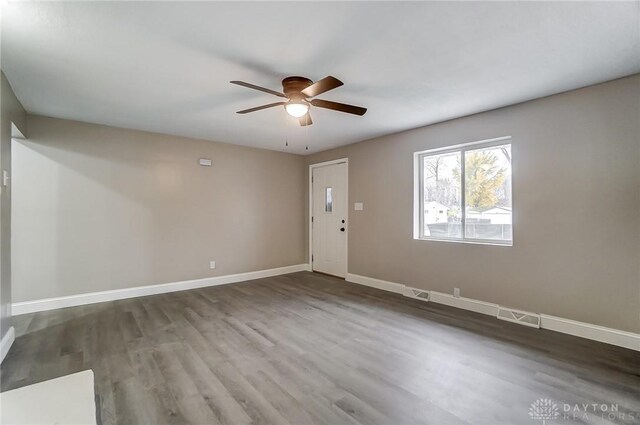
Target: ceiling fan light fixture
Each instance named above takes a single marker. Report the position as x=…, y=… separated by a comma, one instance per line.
x=297, y=109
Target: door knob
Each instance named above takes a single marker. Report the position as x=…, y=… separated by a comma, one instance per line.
x=342, y=229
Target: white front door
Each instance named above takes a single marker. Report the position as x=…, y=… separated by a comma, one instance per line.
x=329, y=219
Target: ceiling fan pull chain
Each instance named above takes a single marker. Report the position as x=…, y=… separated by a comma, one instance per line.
x=286, y=131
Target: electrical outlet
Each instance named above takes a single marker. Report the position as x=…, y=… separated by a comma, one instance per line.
x=456, y=292
x=212, y=264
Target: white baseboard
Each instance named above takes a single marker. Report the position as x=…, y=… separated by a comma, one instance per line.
x=141, y=291
x=385, y=285
x=7, y=342
x=471, y=304
x=586, y=330
x=571, y=327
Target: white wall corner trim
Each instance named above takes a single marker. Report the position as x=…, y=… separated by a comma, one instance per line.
x=571, y=327
x=7, y=342
x=141, y=291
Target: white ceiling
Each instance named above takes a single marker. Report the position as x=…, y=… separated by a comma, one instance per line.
x=166, y=67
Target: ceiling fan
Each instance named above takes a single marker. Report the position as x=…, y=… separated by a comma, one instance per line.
x=298, y=91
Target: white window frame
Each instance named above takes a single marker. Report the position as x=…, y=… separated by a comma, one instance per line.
x=418, y=190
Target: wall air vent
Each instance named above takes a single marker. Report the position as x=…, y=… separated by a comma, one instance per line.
x=416, y=293
x=520, y=317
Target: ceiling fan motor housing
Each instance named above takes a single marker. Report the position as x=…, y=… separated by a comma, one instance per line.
x=292, y=86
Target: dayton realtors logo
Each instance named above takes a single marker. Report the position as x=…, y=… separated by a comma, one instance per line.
x=544, y=409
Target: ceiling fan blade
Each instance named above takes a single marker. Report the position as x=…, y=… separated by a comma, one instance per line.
x=349, y=109
x=253, y=86
x=321, y=86
x=305, y=120
x=258, y=108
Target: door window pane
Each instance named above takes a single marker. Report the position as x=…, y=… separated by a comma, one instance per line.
x=328, y=200
x=441, y=196
x=487, y=180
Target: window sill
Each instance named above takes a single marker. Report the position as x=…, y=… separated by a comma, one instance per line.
x=468, y=241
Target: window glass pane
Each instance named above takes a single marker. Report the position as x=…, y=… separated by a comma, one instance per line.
x=488, y=193
x=328, y=199
x=441, y=196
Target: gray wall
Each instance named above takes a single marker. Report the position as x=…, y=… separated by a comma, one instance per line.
x=576, y=191
x=99, y=208
x=11, y=111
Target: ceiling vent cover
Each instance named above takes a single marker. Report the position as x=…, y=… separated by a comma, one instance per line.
x=416, y=293
x=520, y=317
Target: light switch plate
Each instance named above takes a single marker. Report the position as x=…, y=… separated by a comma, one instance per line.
x=358, y=206
x=5, y=178
x=205, y=162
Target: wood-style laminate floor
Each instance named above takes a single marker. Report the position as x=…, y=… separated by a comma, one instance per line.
x=310, y=349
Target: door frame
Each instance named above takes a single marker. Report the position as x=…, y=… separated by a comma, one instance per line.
x=311, y=168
